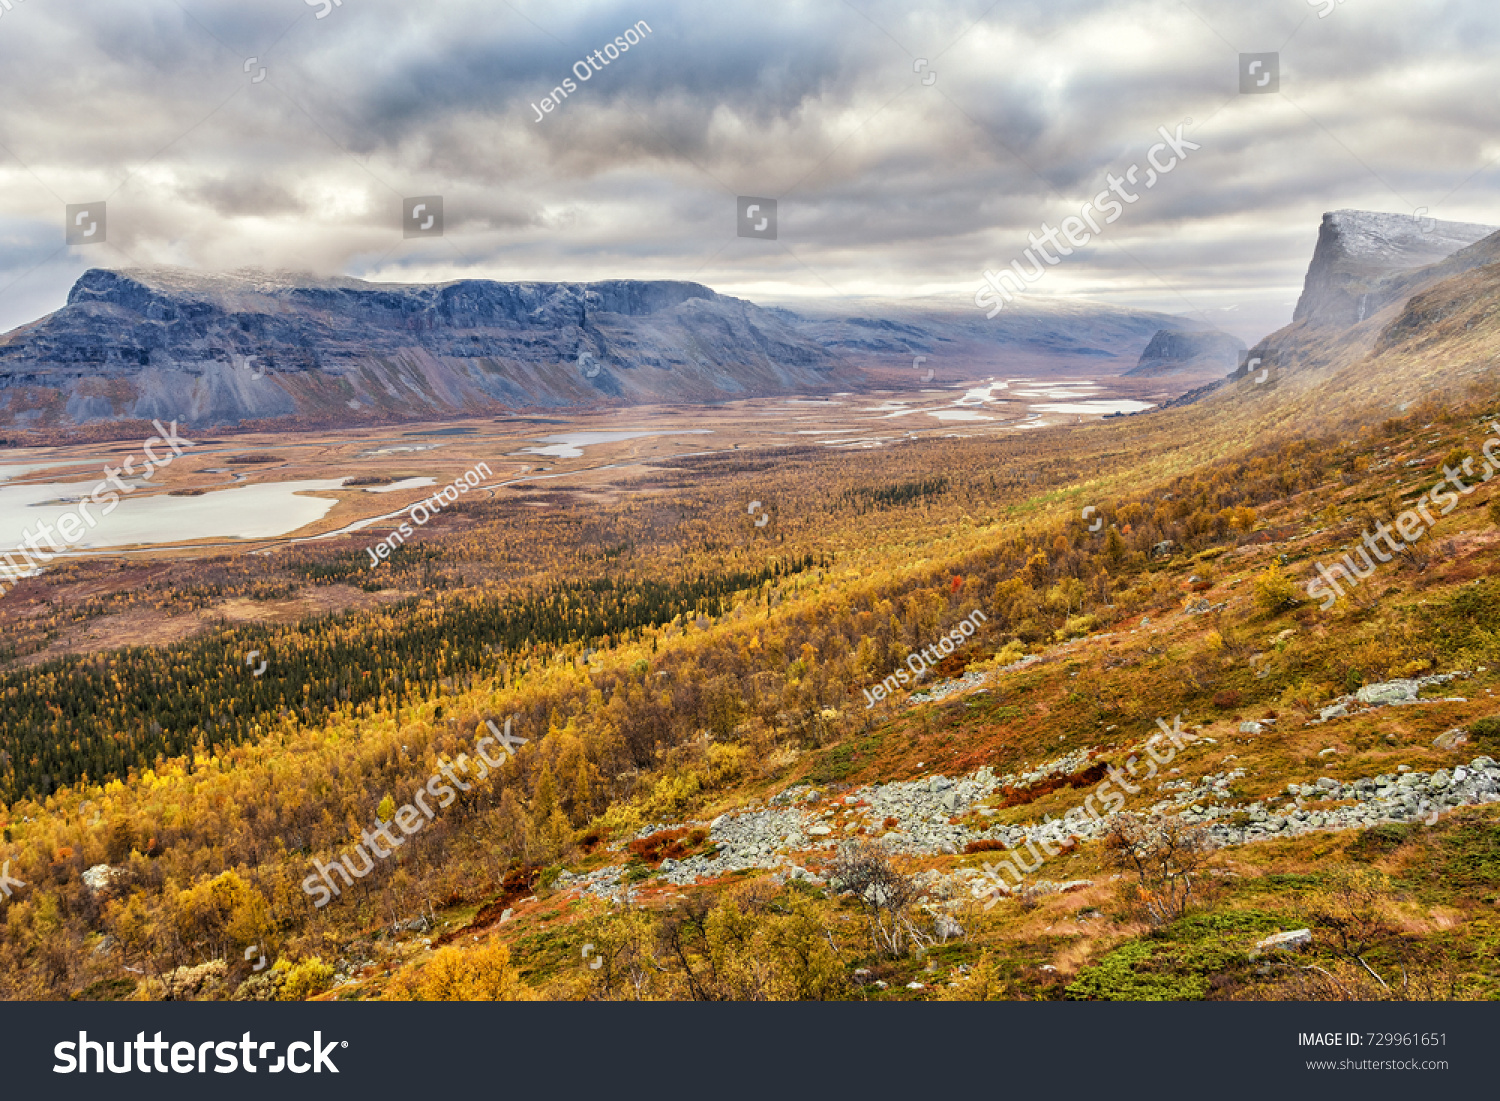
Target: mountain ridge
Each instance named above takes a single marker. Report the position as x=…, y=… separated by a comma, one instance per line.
x=255, y=347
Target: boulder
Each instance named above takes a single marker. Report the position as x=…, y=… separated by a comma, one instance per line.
x=1283, y=942
x=1388, y=692
x=101, y=877
x=1451, y=739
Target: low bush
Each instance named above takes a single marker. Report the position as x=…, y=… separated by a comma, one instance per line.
x=669, y=844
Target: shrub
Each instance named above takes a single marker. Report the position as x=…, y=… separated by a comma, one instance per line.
x=459, y=975
x=983, y=984
x=1164, y=854
x=1486, y=729
x=671, y=795
x=1275, y=592
x=726, y=763
x=1019, y=797
x=985, y=845
x=1077, y=627
x=886, y=893
x=665, y=844
x=1014, y=650
x=1456, y=457
x=1227, y=699
x=305, y=979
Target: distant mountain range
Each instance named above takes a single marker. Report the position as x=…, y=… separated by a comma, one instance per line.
x=251, y=346
x=277, y=348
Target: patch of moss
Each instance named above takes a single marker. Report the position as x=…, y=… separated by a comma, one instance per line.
x=1469, y=855
x=833, y=765
x=1486, y=730
x=1182, y=962
x=1214, y=926
x=107, y=990
x=1289, y=881
x=1377, y=841
x=1132, y=974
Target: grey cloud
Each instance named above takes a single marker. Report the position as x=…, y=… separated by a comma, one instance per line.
x=887, y=185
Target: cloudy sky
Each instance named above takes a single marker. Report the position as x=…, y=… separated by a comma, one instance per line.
x=908, y=150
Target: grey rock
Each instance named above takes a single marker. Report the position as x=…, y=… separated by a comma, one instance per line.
x=1389, y=692
x=1451, y=739
x=947, y=928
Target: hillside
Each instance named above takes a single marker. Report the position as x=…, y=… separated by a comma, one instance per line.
x=698, y=740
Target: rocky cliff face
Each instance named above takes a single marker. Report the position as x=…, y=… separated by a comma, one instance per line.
x=221, y=349
x=1180, y=352
x=1360, y=255
x=1364, y=270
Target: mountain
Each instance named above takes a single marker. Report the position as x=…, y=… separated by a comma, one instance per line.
x=222, y=349
x=1361, y=255
x=1364, y=269
x=1372, y=336
x=1180, y=352
x=1033, y=335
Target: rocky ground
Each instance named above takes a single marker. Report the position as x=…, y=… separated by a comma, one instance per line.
x=934, y=815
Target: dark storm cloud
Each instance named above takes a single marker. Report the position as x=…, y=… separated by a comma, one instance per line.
x=887, y=184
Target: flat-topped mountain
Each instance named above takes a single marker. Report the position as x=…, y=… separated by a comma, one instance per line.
x=1365, y=268
x=1358, y=254
x=221, y=349
x=1034, y=335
